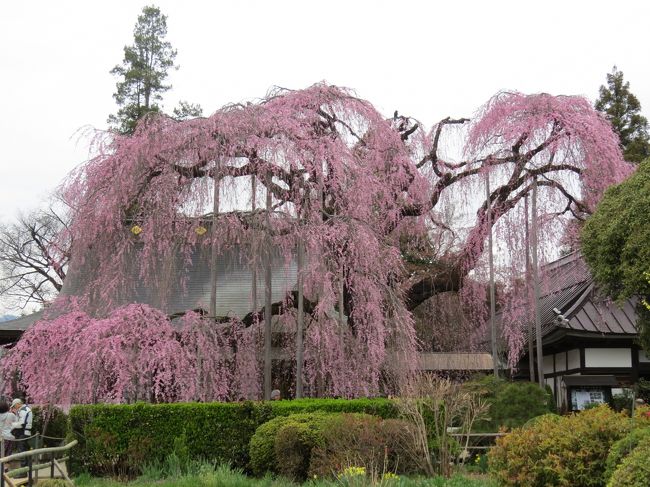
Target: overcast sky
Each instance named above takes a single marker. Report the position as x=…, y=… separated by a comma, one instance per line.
x=426, y=59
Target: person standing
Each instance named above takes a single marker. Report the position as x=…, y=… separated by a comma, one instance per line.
x=7, y=419
x=22, y=427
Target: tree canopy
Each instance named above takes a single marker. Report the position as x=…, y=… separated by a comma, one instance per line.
x=143, y=74
x=623, y=110
x=615, y=238
x=361, y=193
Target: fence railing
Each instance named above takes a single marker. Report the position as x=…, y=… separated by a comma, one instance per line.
x=8, y=477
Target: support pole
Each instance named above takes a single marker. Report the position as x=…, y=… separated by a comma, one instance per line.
x=268, y=294
x=214, y=249
x=300, y=319
x=529, y=322
x=254, y=269
x=538, y=318
x=493, y=325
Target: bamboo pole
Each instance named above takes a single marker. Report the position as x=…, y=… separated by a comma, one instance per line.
x=538, y=318
x=493, y=325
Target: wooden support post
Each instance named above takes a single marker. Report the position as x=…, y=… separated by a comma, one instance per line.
x=529, y=322
x=493, y=325
x=300, y=319
x=268, y=291
x=215, y=249
x=538, y=318
x=254, y=268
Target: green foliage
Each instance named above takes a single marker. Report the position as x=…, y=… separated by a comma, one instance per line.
x=263, y=444
x=50, y=421
x=294, y=443
x=643, y=390
x=623, y=110
x=364, y=441
x=558, y=450
x=143, y=71
x=512, y=404
x=622, y=448
x=615, y=241
x=635, y=469
x=53, y=483
x=120, y=439
x=224, y=476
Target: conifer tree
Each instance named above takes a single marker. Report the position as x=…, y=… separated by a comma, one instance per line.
x=623, y=110
x=143, y=71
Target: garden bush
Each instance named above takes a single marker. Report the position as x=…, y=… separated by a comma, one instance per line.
x=622, y=448
x=368, y=442
x=512, y=404
x=262, y=448
x=50, y=421
x=635, y=469
x=120, y=439
x=559, y=450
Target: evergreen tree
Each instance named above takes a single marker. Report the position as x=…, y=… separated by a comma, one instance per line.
x=623, y=109
x=143, y=71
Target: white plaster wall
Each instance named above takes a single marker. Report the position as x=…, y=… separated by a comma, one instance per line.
x=560, y=362
x=574, y=359
x=548, y=364
x=643, y=357
x=608, y=357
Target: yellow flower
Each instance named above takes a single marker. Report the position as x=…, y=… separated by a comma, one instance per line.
x=354, y=472
x=390, y=476
x=200, y=230
x=136, y=230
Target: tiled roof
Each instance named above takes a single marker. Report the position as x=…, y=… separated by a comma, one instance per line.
x=570, y=289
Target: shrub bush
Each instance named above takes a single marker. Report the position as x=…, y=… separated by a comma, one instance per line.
x=622, y=448
x=294, y=443
x=635, y=470
x=50, y=421
x=512, y=404
x=119, y=439
x=369, y=442
x=558, y=450
x=262, y=448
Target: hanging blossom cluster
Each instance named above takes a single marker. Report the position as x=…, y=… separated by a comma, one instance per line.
x=355, y=190
x=133, y=354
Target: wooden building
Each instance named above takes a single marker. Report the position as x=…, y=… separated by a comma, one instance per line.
x=590, y=344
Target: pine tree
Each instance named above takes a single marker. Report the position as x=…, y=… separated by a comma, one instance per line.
x=143, y=71
x=623, y=110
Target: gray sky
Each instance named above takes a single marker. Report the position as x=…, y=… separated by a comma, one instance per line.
x=426, y=59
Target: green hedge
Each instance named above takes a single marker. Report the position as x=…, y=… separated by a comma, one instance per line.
x=120, y=439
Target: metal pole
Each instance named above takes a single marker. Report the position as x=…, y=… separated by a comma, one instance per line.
x=268, y=295
x=300, y=319
x=493, y=326
x=538, y=318
x=529, y=322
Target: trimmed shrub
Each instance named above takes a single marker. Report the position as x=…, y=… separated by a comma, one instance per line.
x=512, y=404
x=119, y=439
x=262, y=448
x=50, y=421
x=294, y=443
x=635, y=469
x=622, y=448
x=369, y=442
x=558, y=450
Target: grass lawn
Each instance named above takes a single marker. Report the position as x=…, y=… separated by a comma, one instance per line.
x=225, y=477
